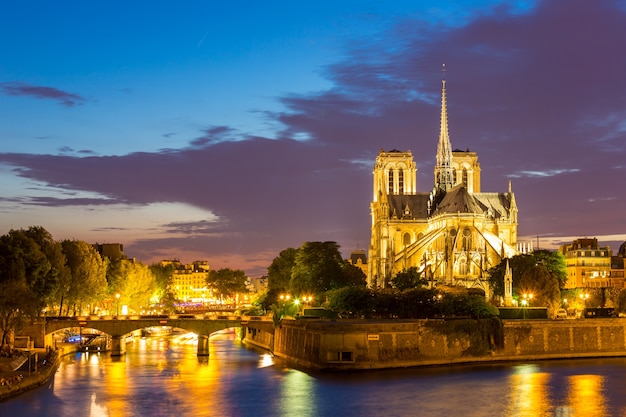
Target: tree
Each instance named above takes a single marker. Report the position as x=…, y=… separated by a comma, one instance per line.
x=164, y=279
x=226, y=282
x=27, y=276
x=408, y=278
x=620, y=304
x=553, y=261
x=133, y=281
x=317, y=268
x=544, y=286
x=14, y=295
x=88, y=283
x=351, y=276
x=279, y=272
x=351, y=301
x=47, y=287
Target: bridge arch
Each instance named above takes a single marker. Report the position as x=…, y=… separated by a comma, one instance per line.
x=119, y=329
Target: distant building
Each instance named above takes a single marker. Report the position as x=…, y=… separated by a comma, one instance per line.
x=112, y=251
x=588, y=265
x=189, y=281
x=358, y=258
x=454, y=233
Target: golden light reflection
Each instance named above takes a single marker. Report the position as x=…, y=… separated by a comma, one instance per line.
x=266, y=360
x=116, y=386
x=586, y=395
x=529, y=392
x=96, y=410
x=297, y=394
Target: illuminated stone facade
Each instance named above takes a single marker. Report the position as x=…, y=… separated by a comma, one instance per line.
x=453, y=233
x=189, y=281
x=588, y=265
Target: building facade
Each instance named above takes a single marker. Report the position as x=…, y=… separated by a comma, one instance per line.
x=588, y=265
x=189, y=282
x=453, y=233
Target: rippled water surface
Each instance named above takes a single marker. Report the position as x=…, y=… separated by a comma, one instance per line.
x=164, y=377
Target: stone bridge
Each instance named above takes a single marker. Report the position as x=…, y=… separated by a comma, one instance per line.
x=120, y=328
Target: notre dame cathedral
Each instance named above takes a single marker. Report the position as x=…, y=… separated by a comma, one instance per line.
x=452, y=234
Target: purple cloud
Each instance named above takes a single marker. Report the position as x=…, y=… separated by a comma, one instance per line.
x=41, y=92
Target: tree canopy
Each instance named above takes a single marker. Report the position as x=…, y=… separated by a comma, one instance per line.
x=552, y=261
x=227, y=282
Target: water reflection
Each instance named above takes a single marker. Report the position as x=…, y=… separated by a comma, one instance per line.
x=164, y=377
x=297, y=395
x=586, y=395
x=528, y=388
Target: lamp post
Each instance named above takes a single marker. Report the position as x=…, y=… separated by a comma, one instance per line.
x=307, y=299
x=117, y=304
x=584, y=296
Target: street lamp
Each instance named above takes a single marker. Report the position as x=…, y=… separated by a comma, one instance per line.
x=584, y=296
x=117, y=304
x=307, y=299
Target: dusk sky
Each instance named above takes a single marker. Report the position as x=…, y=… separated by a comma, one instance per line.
x=228, y=131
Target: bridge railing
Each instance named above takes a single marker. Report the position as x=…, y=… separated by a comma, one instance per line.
x=161, y=317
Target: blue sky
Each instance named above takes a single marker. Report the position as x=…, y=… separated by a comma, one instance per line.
x=228, y=131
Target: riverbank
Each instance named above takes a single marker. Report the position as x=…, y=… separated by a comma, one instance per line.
x=16, y=382
x=346, y=345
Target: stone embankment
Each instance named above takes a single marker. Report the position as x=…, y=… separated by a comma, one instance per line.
x=360, y=344
x=13, y=383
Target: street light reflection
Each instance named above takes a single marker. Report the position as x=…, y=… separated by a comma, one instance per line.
x=297, y=396
x=266, y=360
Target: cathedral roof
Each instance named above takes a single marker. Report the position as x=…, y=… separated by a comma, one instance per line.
x=408, y=206
x=458, y=200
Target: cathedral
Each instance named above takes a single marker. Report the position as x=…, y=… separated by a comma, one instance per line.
x=452, y=234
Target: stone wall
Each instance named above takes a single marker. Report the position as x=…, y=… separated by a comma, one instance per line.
x=358, y=344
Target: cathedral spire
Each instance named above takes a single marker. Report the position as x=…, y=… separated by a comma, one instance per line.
x=443, y=168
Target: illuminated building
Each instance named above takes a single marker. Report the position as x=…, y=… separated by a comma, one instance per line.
x=588, y=265
x=189, y=281
x=453, y=233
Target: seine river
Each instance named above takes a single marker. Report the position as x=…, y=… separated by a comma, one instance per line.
x=163, y=377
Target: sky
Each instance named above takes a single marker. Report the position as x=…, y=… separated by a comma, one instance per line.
x=229, y=131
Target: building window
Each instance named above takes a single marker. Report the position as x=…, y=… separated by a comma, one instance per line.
x=390, y=191
x=401, y=181
x=407, y=239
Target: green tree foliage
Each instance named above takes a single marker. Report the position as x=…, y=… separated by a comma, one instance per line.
x=352, y=301
x=317, y=268
x=14, y=295
x=88, y=283
x=227, y=282
x=279, y=272
x=544, y=286
x=164, y=280
x=28, y=277
x=620, y=303
x=553, y=261
x=408, y=278
x=133, y=281
x=351, y=276
x=47, y=288
x=413, y=303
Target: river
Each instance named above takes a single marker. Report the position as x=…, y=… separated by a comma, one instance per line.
x=164, y=377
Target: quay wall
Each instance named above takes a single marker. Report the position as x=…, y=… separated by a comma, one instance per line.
x=359, y=344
